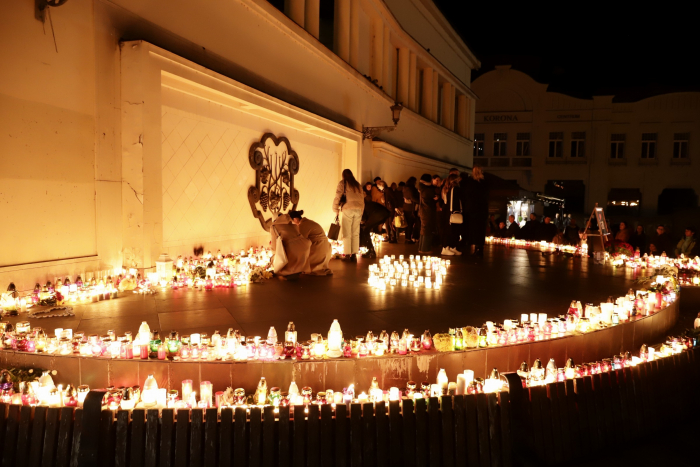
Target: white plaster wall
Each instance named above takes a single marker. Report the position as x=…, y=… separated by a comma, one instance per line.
x=206, y=174
x=426, y=24
x=47, y=178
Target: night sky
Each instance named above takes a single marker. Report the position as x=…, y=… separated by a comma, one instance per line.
x=595, y=49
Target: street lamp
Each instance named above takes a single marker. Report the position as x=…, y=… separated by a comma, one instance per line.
x=369, y=132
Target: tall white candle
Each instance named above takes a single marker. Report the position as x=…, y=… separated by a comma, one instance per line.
x=469, y=376
x=461, y=384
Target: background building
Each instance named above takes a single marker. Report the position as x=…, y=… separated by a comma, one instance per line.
x=637, y=158
x=127, y=124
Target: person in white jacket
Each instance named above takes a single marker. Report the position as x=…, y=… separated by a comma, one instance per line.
x=350, y=200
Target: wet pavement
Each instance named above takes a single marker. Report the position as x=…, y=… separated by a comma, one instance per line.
x=501, y=285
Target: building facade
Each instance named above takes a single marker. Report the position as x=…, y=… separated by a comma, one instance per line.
x=128, y=124
x=640, y=158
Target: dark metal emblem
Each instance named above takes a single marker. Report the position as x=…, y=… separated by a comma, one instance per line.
x=275, y=165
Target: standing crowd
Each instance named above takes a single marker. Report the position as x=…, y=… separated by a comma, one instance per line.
x=431, y=211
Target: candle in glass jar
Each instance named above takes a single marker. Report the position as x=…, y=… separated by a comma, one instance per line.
x=205, y=392
x=186, y=389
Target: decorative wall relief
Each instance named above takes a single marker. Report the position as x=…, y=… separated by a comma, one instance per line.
x=275, y=165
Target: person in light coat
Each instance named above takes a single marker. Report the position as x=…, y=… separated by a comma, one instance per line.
x=351, y=209
x=321, y=251
x=295, y=245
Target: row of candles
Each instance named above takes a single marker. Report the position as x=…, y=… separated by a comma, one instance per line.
x=44, y=392
x=231, y=270
x=60, y=292
x=232, y=346
x=581, y=249
x=689, y=268
x=416, y=271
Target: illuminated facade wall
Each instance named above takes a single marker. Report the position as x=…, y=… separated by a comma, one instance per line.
x=81, y=168
x=614, y=151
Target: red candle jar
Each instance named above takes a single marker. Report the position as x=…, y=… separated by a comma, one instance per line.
x=144, y=352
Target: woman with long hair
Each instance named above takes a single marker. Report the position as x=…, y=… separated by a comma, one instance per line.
x=350, y=200
x=450, y=202
x=475, y=196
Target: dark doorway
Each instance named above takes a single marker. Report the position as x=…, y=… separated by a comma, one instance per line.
x=326, y=23
x=572, y=191
x=677, y=199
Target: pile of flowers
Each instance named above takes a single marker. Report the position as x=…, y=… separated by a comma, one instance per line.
x=210, y=271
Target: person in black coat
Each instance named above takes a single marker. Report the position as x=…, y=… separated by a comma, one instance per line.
x=661, y=242
x=548, y=230
x=411, y=198
x=450, y=201
x=373, y=215
x=531, y=229
x=501, y=231
x=513, y=229
x=571, y=233
x=639, y=239
x=475, y=194
x=390, y=205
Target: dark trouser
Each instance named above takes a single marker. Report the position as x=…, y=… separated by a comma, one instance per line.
x=444, y=228
x=417, y=226
x=477, y=229
x=410, y=218
x=390, y=228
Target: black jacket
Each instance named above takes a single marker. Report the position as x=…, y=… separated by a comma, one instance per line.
x=639, y=241
x=548, y=232
x=513, y=230
x=572, y=234
x=475, y=197
x=531, y=230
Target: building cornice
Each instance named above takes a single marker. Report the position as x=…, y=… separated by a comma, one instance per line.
x=266, y=10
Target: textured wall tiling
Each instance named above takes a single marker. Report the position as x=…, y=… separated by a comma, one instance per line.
x=206, y=173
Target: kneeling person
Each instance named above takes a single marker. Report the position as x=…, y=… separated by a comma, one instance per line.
x=321, y=251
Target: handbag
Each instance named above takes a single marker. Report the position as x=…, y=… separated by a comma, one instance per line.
x=456, y=216
x=400, y=221
x=334, y=230
x=281, y=259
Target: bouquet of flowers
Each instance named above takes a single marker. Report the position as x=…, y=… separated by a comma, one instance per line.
x=617, y=249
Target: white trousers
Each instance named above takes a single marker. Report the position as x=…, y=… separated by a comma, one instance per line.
x=350, y=227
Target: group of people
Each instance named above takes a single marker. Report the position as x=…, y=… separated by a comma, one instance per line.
x=535, y=230
x=660, y=242
x=569, y=233
x=451, y=211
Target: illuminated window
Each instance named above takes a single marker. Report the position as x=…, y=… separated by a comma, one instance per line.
x=617, y=146
x=680, y=145
x=578, y=139
x=556, y=144
x=499, y=144
x=522, y=145
x=648, y=145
